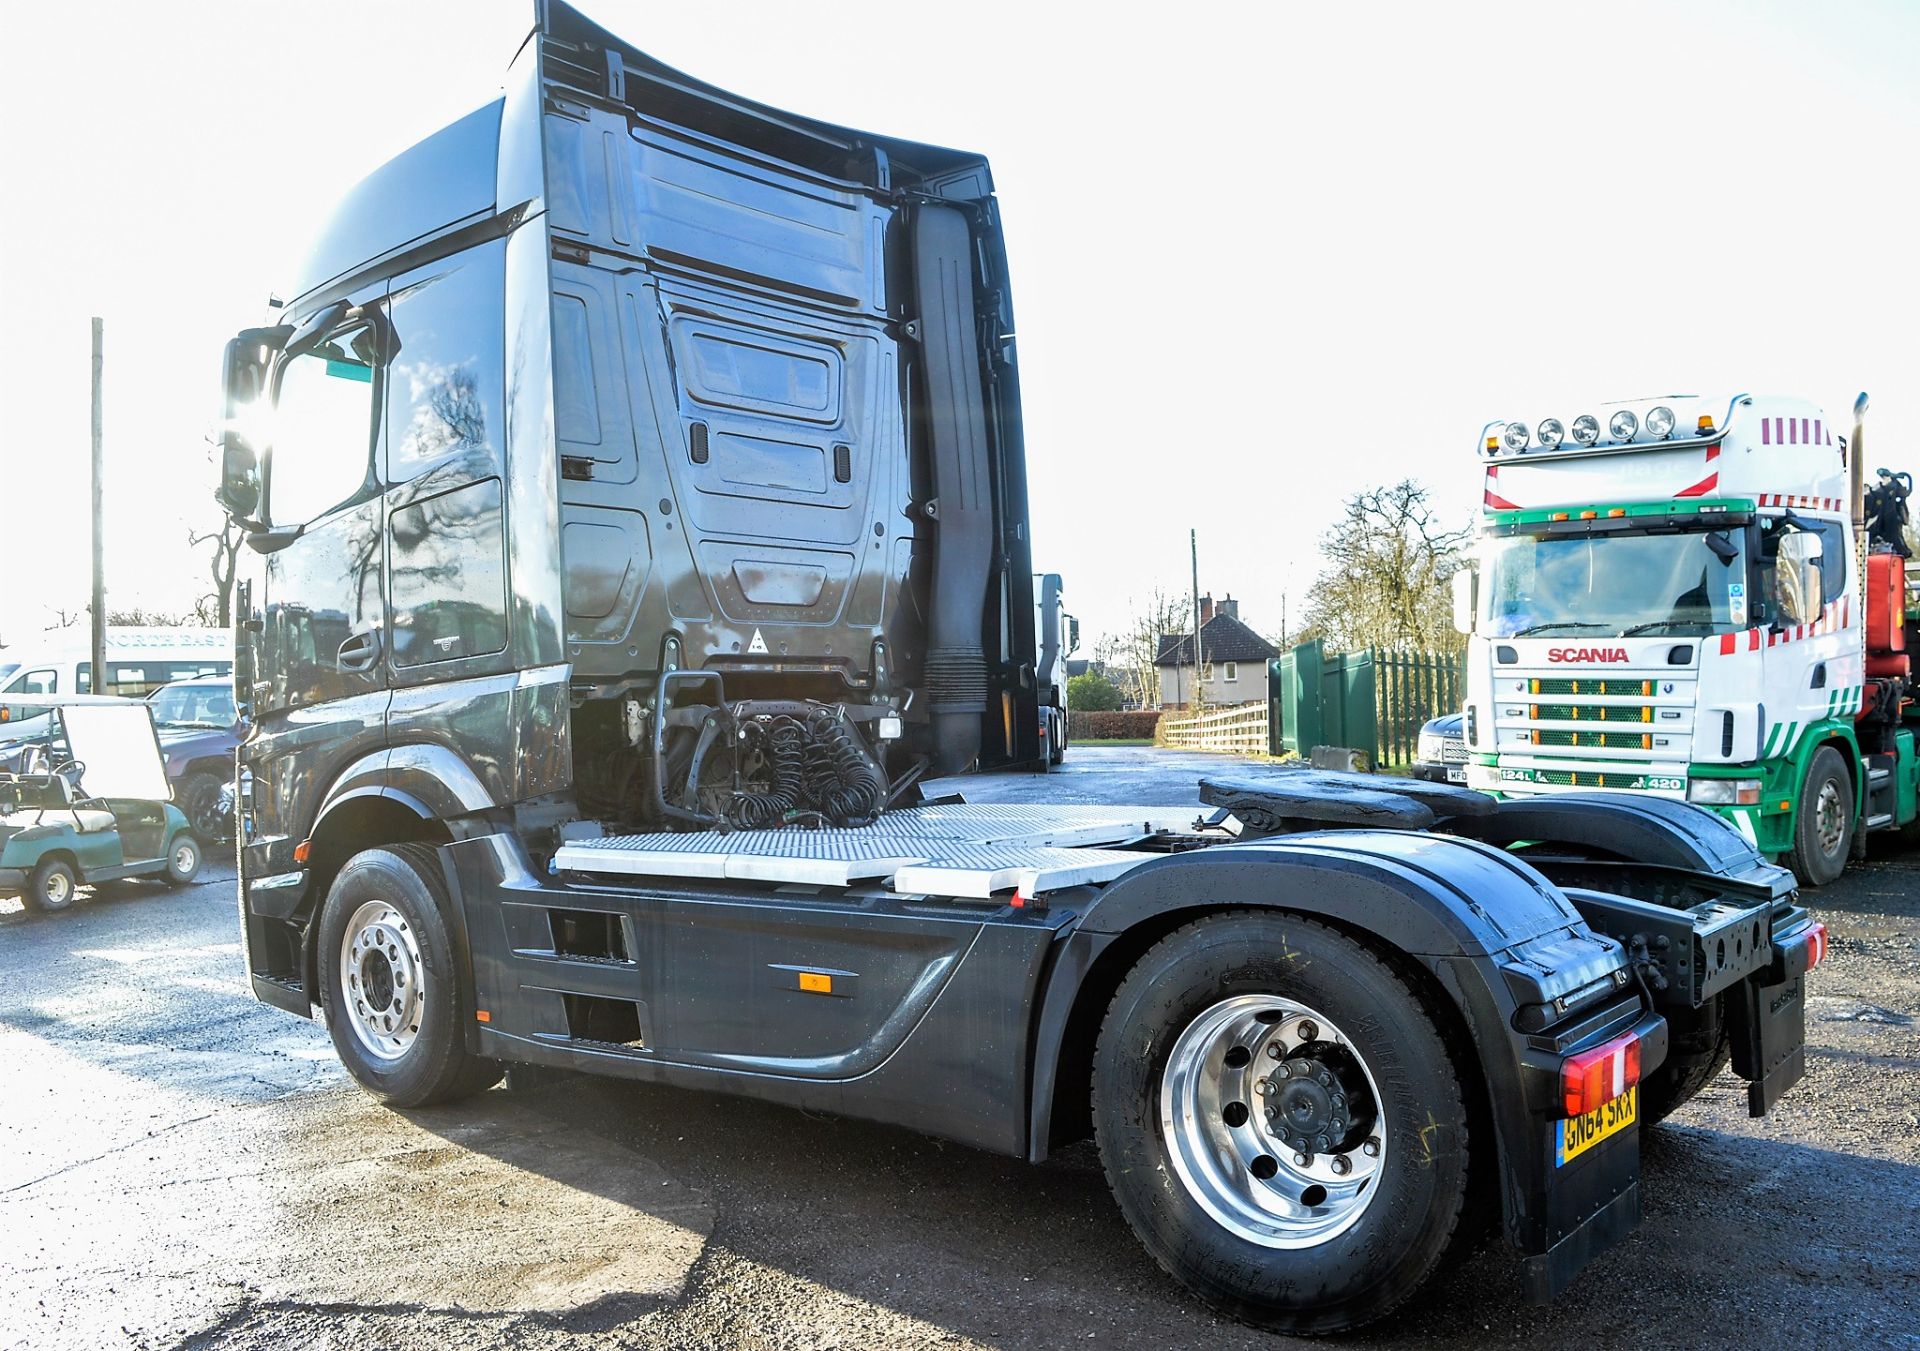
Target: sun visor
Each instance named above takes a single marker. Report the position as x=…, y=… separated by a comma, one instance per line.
x=117, y=745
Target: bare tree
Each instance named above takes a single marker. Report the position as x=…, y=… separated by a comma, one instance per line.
x=1129, y=654
x=216, y=606
x=66, y=619
x=1384, y=583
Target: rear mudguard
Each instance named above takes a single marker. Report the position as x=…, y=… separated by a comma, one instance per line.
x=1496, y=937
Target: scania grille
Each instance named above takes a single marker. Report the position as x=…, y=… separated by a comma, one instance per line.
x=1580, y=778
x=1574, y=685
x=1634, y=741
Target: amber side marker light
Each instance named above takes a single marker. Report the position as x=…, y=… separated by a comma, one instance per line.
x=816, y=982
x=482, y=1016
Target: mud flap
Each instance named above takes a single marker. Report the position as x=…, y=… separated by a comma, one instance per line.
x=1769, y=1032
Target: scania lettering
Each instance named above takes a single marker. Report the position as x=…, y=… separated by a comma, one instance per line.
x=636, y=501
x=1743, y=648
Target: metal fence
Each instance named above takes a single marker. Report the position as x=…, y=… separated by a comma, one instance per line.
x=1241, y=729
x=1374, y=700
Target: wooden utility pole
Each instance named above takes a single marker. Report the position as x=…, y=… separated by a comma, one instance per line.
x=99, y=607
x=1199, y=684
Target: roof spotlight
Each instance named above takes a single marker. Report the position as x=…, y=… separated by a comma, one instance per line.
x=1622, y=425
x=1659, y=421
x=1586, y=429
x=1551, y=433
x=1515, y=436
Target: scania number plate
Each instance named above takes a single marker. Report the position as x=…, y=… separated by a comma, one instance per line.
x=1575, y=1137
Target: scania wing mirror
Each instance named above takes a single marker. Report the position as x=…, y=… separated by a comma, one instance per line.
x=1463, y=600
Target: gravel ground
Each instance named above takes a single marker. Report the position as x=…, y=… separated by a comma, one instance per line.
x=180, y=1167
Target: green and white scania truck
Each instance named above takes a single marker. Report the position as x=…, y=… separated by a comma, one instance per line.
x=1675, y=597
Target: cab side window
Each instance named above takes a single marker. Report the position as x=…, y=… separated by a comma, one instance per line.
x=1834, y=549
x=323, y=427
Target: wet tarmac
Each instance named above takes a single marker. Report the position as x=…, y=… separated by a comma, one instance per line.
x=182, y=1167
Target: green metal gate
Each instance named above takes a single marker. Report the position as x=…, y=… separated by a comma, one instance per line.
x=1374, y=700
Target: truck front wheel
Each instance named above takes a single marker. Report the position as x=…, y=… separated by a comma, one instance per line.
x=1823, y=825
x=1252, y=1132
x=389, y=982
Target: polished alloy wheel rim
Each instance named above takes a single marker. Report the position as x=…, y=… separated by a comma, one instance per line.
x=1829, y=823
x=1270, y=1118
x=383, y=980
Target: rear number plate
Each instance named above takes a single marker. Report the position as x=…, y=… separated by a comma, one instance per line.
x=1573, y=1138
x=1456, y=773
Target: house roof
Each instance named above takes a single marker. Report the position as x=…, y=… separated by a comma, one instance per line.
x=1222, y=638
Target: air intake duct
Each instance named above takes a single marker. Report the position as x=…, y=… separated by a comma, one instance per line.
x=959, y=451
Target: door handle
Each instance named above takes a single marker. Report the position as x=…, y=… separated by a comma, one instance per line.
x=361, y=651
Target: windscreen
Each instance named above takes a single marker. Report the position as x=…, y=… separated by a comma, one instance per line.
x=1614, y=585
x=116, y=745
x=193, y=706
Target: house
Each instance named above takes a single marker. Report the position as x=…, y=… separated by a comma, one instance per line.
x=1233, y=660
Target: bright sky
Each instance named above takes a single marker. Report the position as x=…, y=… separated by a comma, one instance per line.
x=1262, y=256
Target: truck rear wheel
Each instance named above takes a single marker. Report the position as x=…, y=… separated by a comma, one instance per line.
x=1251, y=1136
x=1700, y=1049
x=393, y=993
x=1823, y=825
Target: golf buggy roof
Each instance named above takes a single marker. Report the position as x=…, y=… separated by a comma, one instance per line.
x=113, y=738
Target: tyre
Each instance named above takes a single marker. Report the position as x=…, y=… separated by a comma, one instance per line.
x=1699, y=1050
x=53, y=887
x=393, y=993
x=199, y=799
x=183, y=860
x=1823, y=825
x=1251, y=1136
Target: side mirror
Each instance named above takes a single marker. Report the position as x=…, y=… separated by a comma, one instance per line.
x=1463, y=599
x=1073, y=636
x=243, y=384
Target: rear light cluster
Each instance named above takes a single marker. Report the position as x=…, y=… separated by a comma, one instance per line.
x=1593, y=1078
x=1816, y=945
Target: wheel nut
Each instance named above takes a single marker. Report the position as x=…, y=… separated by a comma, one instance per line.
x=1309, y=1030
x=1303, y=1160
x=1371, y=1149
x=1263, y=1088
x=1273, y=1050
x=1342, y=1164
x=1286, y=1070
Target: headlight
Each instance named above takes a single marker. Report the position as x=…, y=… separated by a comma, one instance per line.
x=1659, y=421
x=1586, y=429
x=1724, y=792
x=1623, y=425
x=1551, y=433
x=1430, y=746
x=1515, y=436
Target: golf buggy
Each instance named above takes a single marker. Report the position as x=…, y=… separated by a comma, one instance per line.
x=90, y=803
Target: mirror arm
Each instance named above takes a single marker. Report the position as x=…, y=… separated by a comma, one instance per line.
x=312, y=333
x=271, y=539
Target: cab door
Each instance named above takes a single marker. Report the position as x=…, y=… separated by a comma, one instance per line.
x=318, y=628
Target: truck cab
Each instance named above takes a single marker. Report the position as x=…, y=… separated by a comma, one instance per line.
x=1670, y=601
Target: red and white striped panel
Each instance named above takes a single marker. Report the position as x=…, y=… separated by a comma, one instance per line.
x=1799, y=500
x=1795, y=431
x=1834, y=615
x=1707, y=484
x=1495, y=502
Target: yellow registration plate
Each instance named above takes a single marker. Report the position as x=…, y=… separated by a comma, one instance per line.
x=1575, y=1137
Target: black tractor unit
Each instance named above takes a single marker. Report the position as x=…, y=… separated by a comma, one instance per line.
x=638, y=517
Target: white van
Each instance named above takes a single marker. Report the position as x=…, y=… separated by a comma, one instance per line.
x=139, y=661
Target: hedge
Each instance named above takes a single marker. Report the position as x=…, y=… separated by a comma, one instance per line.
x=1127, y=724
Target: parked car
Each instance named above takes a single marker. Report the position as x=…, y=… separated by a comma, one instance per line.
x=199, y=727
x=98, y=815
x=1443, y=750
